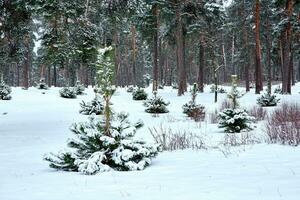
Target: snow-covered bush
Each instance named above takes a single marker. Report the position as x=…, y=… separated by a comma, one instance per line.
x=5, y=91
x=174, y=86
x=93, y=107
x=108, y=143
x=156, y=104
x=192, y=109
x=278, y=90
x=160, y=86
x=139, y=94
x=219, y=89
x=235, y=119
x=79, y=88
x=130, y=89
x=42, y=85
x=68, y=92
x=96, y=151
x=267, y=100
x=283, y=125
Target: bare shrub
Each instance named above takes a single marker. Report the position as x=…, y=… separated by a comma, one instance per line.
x=226, y=104
x=213, y=117
x=258, y=112
x=238, y=139
x=180, y=140
x=283, y=125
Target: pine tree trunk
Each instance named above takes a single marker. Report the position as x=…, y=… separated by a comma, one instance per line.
x=180, y=55
x=49, y=76
x=268, y=55
x=116, y=56
x=18, y=75
x=128, y=78
x=155, y=48
x=292, y=68
x=134, y=51
x=201, y=64
x=246, y=51
x=286, y=51
x=258, y=67
x=224, y=60
x=54, y=76
x=26, y=62
x=232, y=55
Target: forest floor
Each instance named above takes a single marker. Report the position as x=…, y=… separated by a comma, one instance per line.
x=32, y=124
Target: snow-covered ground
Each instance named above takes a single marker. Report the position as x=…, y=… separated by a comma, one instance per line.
x=32, y=124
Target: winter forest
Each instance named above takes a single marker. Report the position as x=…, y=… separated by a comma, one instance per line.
x=149, y=99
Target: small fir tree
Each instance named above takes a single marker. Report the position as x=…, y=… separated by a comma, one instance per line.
x=105, y=144
x=130, y=89
x=267, y=100
x=139, y=94
x=235, y=119
x=93, y=107
x=42, y=85
x=278, y=90
x=79, y=88
x=219, y=89
x=5, y=91
x=68, y=92
x=193, y=110
x=156, y=104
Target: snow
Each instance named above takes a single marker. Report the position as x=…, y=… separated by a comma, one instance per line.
x=38, y=123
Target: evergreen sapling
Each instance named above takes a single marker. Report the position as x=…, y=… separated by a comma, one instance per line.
x=139, y=94
x=193, y=110
x=156, y=104
x=79, y=88
x=107, y=143
x=42, y=85
x=5, y=91
x=93, y=107
x=235, y=119
x=267, y=100
x=68, y=92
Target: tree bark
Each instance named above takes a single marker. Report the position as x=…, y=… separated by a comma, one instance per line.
x=286, y=51
x=26, y=62
x=126, y=63
x=116, y=57
x=134, y=51
x=246, y=49
x=201, y=64
x=180, y=55
x=268, y=55
x=155, y=48
x=55, y=76
x=258, y=65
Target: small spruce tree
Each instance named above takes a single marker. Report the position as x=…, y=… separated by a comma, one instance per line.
x=42, y=85
x=192, y=109
x=267, y=100
x=156, y=104
x=107, y=143
x=235, y=119
x=93, y=107
x=68, y=92
x=79, y=88
x=139, y=94
x=5, y=91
